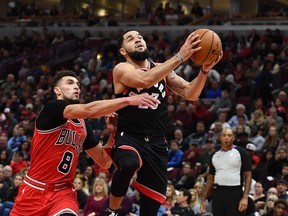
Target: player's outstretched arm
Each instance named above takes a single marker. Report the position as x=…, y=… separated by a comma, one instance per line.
x=100, y=153
x=99, y=108
x=190, y=90
x=100, y=156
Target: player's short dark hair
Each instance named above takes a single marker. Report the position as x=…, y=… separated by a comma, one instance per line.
x=121, y=39
x=63, y=73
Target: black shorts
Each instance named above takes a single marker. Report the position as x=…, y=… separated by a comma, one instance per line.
x=153, y=152
x=225, y=200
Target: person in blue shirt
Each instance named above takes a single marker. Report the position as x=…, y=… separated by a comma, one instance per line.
x=15, y=141
x=214, y=91
x=175, y=155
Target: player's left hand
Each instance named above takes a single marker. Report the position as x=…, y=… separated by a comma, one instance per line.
x=210, y=66
x=243, y=204
x=111, y=122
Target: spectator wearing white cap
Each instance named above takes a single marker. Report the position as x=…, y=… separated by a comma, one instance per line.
x=28, y=113
x=251, y=146
x=251, y=149
x=240, y=110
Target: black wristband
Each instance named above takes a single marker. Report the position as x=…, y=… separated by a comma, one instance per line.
x=204, y=72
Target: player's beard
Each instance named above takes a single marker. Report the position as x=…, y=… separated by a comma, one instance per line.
x=139, y=56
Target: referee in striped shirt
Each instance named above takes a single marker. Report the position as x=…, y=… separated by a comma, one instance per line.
x=230, y=169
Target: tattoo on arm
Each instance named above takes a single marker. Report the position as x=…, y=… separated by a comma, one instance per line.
x=176, y=84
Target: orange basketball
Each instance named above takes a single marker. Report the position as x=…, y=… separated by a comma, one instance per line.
x=211, y=47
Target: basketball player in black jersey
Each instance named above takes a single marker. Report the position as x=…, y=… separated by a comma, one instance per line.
x=140, y=144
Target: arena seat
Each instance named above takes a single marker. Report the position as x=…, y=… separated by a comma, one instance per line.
x=173, y=173
x=245, y=100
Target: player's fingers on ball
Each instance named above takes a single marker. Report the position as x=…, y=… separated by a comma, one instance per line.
x=196, y=49
x=194, y=43
x=195, y=37
x=191, y=35
x=193, y=50
x=191, y=38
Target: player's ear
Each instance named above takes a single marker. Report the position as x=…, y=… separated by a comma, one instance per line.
x=57, y=91
x=122, y=51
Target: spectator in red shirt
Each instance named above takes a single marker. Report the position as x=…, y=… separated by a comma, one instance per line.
x=182, y=117
x=244, y=51
x=199, y=111
x=18, y=162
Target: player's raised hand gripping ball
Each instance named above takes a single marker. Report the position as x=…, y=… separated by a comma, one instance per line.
x=211, y=47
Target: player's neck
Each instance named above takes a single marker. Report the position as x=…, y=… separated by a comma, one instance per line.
x=139, y=64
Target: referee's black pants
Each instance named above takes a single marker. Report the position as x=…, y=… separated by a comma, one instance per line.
x=225, y=200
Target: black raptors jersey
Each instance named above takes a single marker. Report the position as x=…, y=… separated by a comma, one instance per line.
x=142, y=120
